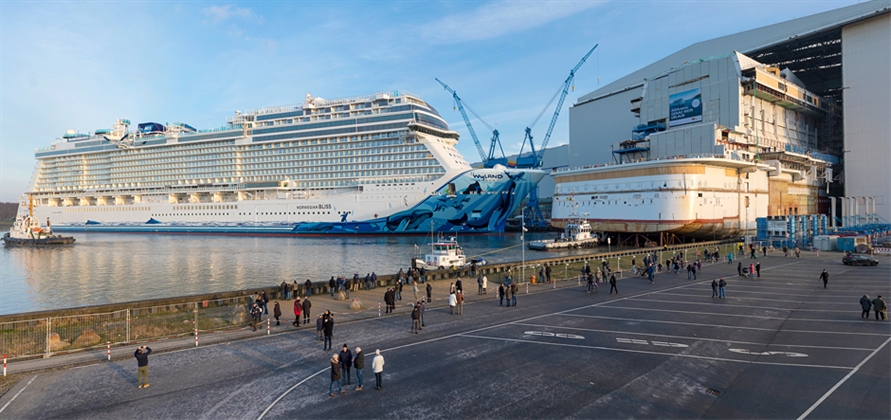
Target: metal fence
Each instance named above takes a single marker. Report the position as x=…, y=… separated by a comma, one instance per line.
x=64, y=334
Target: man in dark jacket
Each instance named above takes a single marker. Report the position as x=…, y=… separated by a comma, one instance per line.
x=758, y=269
x=308, y=287
x=429, y=293
x=320, y=328
x=416, y=318
x=332, y=285
x=359, y=364
x=458, y=286
x=255, y=315
x=265, y=300
x=328, y=326
x=335, y=377
x=825, y=277
x=307, y=305
x=141, y=354
x=346, y=362
x=612, y=284
x=277, y=313
x=866, y=305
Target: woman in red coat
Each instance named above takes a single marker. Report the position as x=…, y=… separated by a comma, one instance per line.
x=298, y=310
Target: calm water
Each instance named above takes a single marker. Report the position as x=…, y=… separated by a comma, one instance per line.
x=112, y=268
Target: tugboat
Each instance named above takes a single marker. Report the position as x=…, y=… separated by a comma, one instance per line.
x=576, y=234
x=27, y=231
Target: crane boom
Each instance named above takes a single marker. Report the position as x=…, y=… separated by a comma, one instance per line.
x=476, y=141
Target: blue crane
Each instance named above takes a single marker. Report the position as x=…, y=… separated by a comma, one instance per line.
x=488, y=160
x=535, y=158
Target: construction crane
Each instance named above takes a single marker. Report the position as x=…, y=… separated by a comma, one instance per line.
x=535, y=158
x=489, y=160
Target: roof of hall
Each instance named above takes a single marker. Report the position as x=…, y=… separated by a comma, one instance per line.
x=750, y=41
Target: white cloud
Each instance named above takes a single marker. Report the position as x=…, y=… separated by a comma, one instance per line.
x=500, y=18
x=218, y=14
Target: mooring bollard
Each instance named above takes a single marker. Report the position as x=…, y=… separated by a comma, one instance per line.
x=196, y=337
x=107, y=344
x=268, y=327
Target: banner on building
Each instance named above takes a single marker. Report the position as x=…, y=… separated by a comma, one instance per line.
x=685, y=107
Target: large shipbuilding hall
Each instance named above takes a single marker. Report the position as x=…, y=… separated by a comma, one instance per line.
x=818, y=86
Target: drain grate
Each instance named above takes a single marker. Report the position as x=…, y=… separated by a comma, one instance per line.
x=712, y=391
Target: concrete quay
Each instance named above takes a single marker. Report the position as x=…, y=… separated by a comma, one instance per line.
x=779, y=346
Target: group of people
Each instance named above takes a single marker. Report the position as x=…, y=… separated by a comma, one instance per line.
x=749, y=272
x=878, y=305
x=342, y=363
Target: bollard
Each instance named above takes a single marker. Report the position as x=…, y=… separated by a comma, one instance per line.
x=378, y=309
x=268, y=326
x=108, y=345
x=527, y=288
x=4, y=364
x=196, y=337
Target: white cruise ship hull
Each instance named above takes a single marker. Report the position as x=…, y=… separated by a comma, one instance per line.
x=476, y=201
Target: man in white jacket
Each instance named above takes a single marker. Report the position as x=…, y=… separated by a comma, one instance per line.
x=377, y=366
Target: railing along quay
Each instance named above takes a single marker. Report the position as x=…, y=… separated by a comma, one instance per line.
x=47, y=333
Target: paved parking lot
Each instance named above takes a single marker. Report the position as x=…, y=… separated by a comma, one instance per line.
x=780, y=346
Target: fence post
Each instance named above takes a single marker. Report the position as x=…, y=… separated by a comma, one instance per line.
x=49, y=329
x=128, y=325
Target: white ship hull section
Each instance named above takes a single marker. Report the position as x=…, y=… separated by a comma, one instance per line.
x=696, y=197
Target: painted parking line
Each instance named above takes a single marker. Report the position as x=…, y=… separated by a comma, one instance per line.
x=809, y=302
x=650, y=352
x=730, y=305
x=697, y=338
x=737, y=315
x=638, y=320
x=550, y=334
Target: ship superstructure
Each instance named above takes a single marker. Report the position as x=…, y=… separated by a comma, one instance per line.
x=381, y=163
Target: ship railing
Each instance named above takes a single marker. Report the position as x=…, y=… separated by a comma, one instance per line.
x=338, y=101
x=699, y=156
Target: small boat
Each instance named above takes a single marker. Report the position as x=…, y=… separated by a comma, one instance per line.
x=576, y=234
x=445, y=253
x=27, y=231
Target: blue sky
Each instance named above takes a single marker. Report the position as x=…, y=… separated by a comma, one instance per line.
x=82, y=64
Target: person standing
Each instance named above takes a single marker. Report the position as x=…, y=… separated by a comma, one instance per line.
x=423, y=273
x=721, y=284
x=335, y=377
x=866, y=304
x=141, y=354
x=373, y=280
x=548, y=273
x=507, y=293
x=346, y=362
x=612, y=284
x=751, y=270
x=453, y=301
x=501, y=295
x=359, y=364
x=739, y=269
x=729, y=258
x=479, y=284
x=485, y=283
x=255, y=315
x=328, y=325
x=415, y=319
x=398, y=290
x=308, y=287
x=414, y=285
x=298, y=309
x=283, y=290
x=693, y=269
x=307, y=305
x=265, y=300
x=429, y=292
x=825, y=277
x=320, y=328
x=460, y=298
x=758, y=269
x=878, y=305
x=277, y=313
x=388, y=300
x=458, y=286
x=513, y=293
x=423, y=308
x=331, y=285
x=377, y=366
x=714, y=288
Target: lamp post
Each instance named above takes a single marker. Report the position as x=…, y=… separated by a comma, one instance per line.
x=523, y=239
x=609, y=244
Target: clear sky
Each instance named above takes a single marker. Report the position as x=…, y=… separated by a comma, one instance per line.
x=82, y=64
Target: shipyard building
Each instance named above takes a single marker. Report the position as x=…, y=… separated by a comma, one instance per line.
x=806, y=102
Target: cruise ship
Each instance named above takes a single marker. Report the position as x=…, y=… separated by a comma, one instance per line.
x=384, y=163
